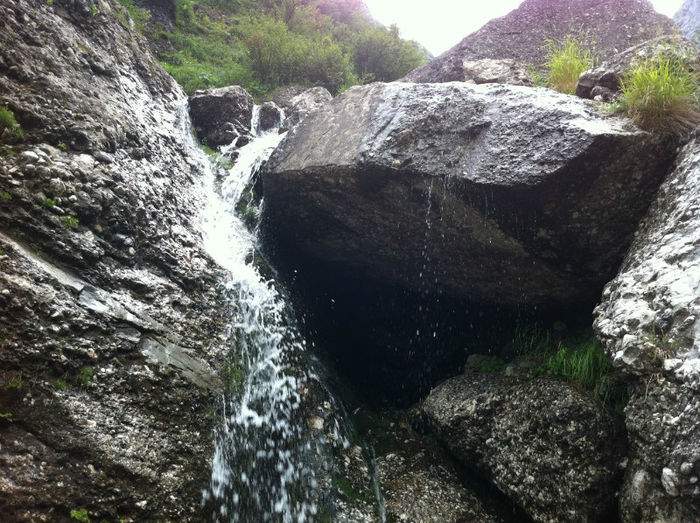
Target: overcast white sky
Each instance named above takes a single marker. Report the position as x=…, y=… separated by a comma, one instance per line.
x=440, y=24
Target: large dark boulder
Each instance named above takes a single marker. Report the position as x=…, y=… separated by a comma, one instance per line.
x=507, y=194
x=220, y=115
x=605, y=79
x=649, y=324
x=543, y=443
x=521, y=35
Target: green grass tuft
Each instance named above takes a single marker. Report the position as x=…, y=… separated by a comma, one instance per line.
x=585, y=365
x=662, y=94
x=566, y=60
x=9, y=126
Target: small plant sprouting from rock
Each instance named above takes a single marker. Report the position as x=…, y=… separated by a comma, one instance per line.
x=85, y=376
x=566, y=60
x=62, y=146
x=7, y=416
x=61, y=384
x=662, y=94
x=80, y=515
x=48, y=202
x=5, y=195
x=9, y=128
x=95, y=10
x=69, y=221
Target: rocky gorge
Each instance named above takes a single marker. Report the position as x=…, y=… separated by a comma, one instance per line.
x=324, y=319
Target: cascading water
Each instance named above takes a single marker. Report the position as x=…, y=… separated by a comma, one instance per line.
x=258, y=470
x=268, y=456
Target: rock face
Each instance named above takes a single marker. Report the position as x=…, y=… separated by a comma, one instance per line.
x=489, y=71
x=688, y=19
x=109, y=310
x=299, y=102
x=649, y=323
x=388, y=176
x=604, y=80
x=613, y=25
x=220, y=115
x=540, y=441
x=420, y=482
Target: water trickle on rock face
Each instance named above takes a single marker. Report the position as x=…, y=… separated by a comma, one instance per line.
x=259, y=470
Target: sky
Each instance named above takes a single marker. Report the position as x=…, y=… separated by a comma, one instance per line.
x=440, y=24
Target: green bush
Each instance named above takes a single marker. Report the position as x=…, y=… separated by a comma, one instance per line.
x=270, y=44
x=661, y=94
x=566, y=60
x=8, y=125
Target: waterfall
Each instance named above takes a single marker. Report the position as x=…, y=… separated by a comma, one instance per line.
x=271, y=462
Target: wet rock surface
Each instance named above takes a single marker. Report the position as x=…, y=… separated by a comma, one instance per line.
x=688, y=19
x=544, y=444
x=222, y=114
x=604, y=80
x=613, y=25
x=446, y=173
x=420, y=483
x=299, y=102
x=111, y=317
x=649, y=324
x=489, y=71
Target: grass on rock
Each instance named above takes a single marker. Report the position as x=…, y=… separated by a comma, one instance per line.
x=662, y=94
x=566, y=60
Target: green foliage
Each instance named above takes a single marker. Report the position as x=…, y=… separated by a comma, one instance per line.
x=9, y=126
x=274, y=43
x=662, y=94
x=61, y=384
x=566, y=60
x=62, y=146
x=85, y=376
x=5, y=195
x=494, y=364
x=584, y=364
x=80, y=515
x=48, y=202
x=69, y=221
x=7, y=416
x=380, y=55
x=139, y=16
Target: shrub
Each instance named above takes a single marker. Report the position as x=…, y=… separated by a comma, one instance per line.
x=566, y=60
x=661, y=94
x=9, y=126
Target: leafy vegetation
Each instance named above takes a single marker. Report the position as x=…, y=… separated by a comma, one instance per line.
x=266, y=45
x=85, y=376
x=139, y=16
x=662, y=94
x=584, y=364
x=4, y=195
x=80, y=515
x=9, y=126
x=48, y=202
x=566, y=60
x=7, y=416
x=69, y=221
